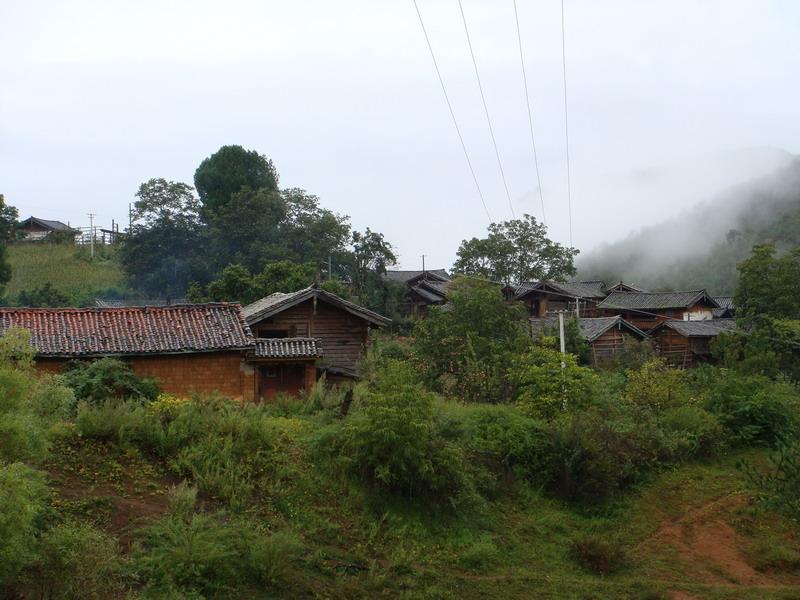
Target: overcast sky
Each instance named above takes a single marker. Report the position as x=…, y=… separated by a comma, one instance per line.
x=668, y=101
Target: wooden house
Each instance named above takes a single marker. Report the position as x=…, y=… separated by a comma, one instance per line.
x=621, y=286
x=543, y=298
x=607, y=336
x=192, y=348
x=34, y=229
x=726, y=310
x=646, y=310
x=340, y=330
x=688, y=343
x=425, y=288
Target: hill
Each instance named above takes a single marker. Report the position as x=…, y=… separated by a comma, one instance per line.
x=700, y=249
x=66, y=267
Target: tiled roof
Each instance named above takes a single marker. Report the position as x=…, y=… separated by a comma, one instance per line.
x=571, y=289
x=590, y=328
x=709, y=328
x=725, y=301
x=123, y=302
x=655, y=300
x=280, y=301
x=405, y=276
x=287, y=348
x=74, y=332
x=622, y=286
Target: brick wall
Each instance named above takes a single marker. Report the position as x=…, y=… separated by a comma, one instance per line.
x=225, y=373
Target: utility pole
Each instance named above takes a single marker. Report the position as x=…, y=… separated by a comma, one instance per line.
x=563, y=343
x=330, y=267
x=91, y=233
x=423, y=264
x=130, y=218
x=577, y=308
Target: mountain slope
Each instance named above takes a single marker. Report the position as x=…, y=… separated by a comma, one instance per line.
x=700, y=249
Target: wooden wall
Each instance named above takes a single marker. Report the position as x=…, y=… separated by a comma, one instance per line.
x=343, y=335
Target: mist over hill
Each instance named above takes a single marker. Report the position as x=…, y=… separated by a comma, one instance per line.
x=701, y=247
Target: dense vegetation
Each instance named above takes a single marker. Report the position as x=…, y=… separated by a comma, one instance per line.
x=469, y=463
x=702, y=248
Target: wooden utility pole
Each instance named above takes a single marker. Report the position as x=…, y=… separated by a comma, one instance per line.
x=91, y=233
x=563, y=343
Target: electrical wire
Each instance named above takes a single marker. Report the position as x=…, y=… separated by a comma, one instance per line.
x=566, y=119
x=486, y=110
x=452, y=113
x=530, y=112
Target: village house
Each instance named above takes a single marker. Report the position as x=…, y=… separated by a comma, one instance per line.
x=192, y=348
x=33, y=229
x=686, y=344
x=340, y=328
x=425, y=288
x=607, y=336
x=646, y=310
x=543, y=298
x=726, y=310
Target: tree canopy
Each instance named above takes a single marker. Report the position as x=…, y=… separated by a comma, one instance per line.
x=8, y=221
x=515, y=251
x=227, y=171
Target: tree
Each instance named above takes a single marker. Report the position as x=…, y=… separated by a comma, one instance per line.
x=312, y=233
x=237, y=284
x=768, y=285
x=516, y=251
x=227, y=171
x=465, y=349
x=160, y=253
x=44, y=296
x=8, y=221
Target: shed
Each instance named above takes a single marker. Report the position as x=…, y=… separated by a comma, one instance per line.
x=35, y=229
x=688, y=343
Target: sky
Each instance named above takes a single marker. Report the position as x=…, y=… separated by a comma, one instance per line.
x=668, y=102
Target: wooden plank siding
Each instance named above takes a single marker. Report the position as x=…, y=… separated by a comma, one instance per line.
x=608, y=345
x=343, y=336
x=681, y=351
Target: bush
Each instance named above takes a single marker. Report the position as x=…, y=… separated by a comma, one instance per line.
x=124, y=422
x=519, y=444
x=598, y=555
x=696, y=433
x=50, y=400
x=76, y=561
x=757, y=410
x=780, y=485
x=22, y=502
x=657, y=385
x=99, y=380
x=394, y=440
x=203, y=554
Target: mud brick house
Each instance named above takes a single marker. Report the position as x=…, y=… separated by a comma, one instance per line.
x=687, y=343
x=646, y=310
x=542, y=298
x=33, y=229
x=425, y=288
x=191, y=348
x=341, y=329
x=606, y=336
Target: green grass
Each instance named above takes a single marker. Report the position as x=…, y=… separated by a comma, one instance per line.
x=66, y=267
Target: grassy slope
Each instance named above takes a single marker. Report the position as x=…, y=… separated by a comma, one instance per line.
x=66, y=267
x=690, y=533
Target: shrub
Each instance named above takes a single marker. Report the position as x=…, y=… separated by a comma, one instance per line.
x=203, y=554
x=394, y=440
x=50, y=400
x=598, y=555
x=76, y=561
x=22, y=502
x=479, y=555
x=696, y=433
x=124, y=422
x=657, y=385
x=520, y=444
x=544, y=388
x=99, y=380
x=780, y=485
x=754, y=408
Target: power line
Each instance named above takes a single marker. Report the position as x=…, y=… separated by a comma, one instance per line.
x=486, y=110
x=566, y=119
x=452, y=114
x=530, y=113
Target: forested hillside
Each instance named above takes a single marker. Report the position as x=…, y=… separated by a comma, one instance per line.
x=700, y=249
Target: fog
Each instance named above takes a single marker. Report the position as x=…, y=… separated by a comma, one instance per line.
x=669, y=102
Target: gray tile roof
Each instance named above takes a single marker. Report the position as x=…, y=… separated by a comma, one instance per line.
x=655, y=300
x=47, y=224
x=725, y=301
x=709, y=328
x=571, y=289
x=590, y=328
x=74, y=332
x=287, y=348
x=280, y=301
x=406, y=276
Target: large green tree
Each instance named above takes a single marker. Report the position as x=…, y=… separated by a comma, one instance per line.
x=768, y=285
x=8, y=221
x=515, y=251
x=163, y=250
x=227, y=171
